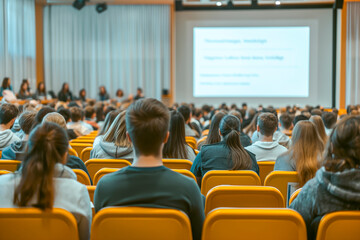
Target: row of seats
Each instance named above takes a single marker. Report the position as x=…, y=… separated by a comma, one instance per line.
x=140, y=223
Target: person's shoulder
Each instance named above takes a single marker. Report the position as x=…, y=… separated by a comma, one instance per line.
x=282, y=148
x=113, y=178
x=182, y=181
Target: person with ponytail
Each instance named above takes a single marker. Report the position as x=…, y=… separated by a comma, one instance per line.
x=44, y=181
x=304, y=154
x=336, y=184
x=228, y=154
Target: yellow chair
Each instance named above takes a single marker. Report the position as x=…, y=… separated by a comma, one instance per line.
x=2, y=172
x=32, y=223
x=102, y=172
x=140, y=223
x=280, y=180
x=9, y=165
x=186, y=173
x=82, y=177
x=254, y=223
x=72, y=152
x=228, y=177
x=265, y=167
x=244, y=197
x=294, y=195
x=91, y=190
x=177, y=163
x=196, y=152
x=342, y=225
x=0, y=154
x=85, y=154
x=78, y=147
x=88, y=141
x=205, y=132
x=94, y=165
x=191, y=141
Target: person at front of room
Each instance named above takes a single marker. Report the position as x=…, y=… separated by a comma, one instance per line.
x=103, y=95
x=228, y=154
x=266, y=148
x=336, y=185
x=139, y=94
x=6, y=85
x=142, y=183
x=23, y=92
x=65, y=94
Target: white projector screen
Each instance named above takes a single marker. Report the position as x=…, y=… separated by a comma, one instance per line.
x=251, y=61
x=270, y=57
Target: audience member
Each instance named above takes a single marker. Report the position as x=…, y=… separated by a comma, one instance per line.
x=319, y=124
x=305, y=152
x=147, y=123
x=41, y=114
x=227, y=154
x=286, y=124
x=110, y=117
x=66, y=115
x=266, y=148
x=114, y=143
x=176, y=146
x=45, y=182
x=329, y=119
x=65, y=95
x=80, y=128
x=336, y=185
x=300, y=117
x=8, y=114
x=244, y=139
x=90, y=117
x=186, y=113
x=16, y=149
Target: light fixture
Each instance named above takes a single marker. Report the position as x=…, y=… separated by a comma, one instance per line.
x=101, y=7
x=218, y=4
x=277, y=2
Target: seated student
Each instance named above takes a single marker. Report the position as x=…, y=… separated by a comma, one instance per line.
x=16, y=150
x=90, y=117
x=66, y=115
x=114, y=143
x=336, y=185
x=176, y=146
x=80, y=128
x=244, y=139
x=103, y=95
x=329, y=119
x=147, y=183
x=82, y=96
x=228, y=154
x=266, y=148
x=8, y=114
x=40, y=91
x=186, y=113
x=195, y=120
x=23, y=92
x=109, y=119
x=65, y=95
x=42, y=113
x=45, y=182
x=213, y=135
x=319, y=124
x=286, y=124
x=304, y=154
x=6, y=85
x=299, y=118
x=251, y=127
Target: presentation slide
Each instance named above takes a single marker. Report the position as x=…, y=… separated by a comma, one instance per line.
x=251, y=61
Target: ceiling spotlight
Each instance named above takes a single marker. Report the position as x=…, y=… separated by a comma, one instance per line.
x=101, y=7
x=218, y=4
x=277, y=3
x=79, y=4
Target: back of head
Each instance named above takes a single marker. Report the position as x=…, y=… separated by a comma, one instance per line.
x=319, y=124
x=175, y=146
x=286, y=121
x=230, y=130
x=76, y=114
x=316, y=112
x=237, y=114
x=300, y=118
x=329, y=119
x=89, y=112
x=214, y=136
x=117, y=132
x=306, y=149
x=42, y=113
x=343, y=147
x=8, y=112
x=47, y=145
x=110, y=117
x=147, y=122
x=55, y=118
x=185, y=112
x=267, y=123
x=65, y=113
x=26, y=121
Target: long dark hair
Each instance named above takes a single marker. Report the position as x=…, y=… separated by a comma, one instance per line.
x=63, y=88
x=22, y=87
x=230, y=130
x=47, y=145
x=214, y=136
x=38, y=88
x=5, y=83
x=343, y=147
x=176, y=145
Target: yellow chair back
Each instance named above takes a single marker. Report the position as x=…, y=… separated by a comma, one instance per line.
x=177, y=163
x=82, y=177
x=9, y=165
x=280, y=180
x=186, y=173
x=72, y=152
x=102, y=172
x=228, y=177
x=78, y=147
x=85, y=154
x=265, y=167
x=191, y=141
x=94, y=165
x=294, y=195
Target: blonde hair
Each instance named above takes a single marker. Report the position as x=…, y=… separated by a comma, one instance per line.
x=319, y=124
x=306, y=149
x=55, y=117
x=117, y=132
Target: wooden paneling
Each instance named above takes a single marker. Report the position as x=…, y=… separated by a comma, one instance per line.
x=39, y=28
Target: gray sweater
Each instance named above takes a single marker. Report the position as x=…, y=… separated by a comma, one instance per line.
x=7, y=137
x=327, y=192
x=285, y=163
x=266, y=151
x=108, y=150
